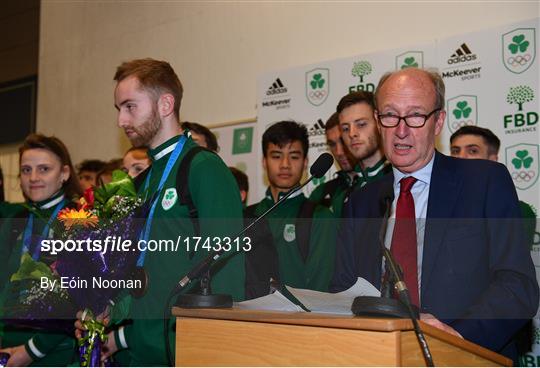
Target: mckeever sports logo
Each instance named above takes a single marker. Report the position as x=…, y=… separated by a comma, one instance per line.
x=360, y=70
x=522, y=162
x=519, y=49
x=317, y=86
x=462, y=110
x=523, y=121
x=463, y=63
x=277, y=95
x=410, y=59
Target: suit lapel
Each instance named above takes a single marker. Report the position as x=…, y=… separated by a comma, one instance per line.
x=443, y=194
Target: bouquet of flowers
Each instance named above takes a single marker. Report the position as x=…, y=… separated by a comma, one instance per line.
x=109, y=212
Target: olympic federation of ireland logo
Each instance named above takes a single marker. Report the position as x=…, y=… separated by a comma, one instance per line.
x=169, y=199
x=522, y=162
x=289, y=232
x=410, y=59
x=317, y=86
x=519, y=49
x=462, y=110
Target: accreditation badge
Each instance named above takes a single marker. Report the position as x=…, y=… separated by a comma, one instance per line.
x=289, y=232
x=169, y=198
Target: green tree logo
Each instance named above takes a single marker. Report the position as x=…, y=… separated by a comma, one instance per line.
x=519, y=95
x=536, y=336
x=522, y=159
x=462, y=109
x=409, y=62
x=518, y=44
x=317, y=81
x=361, y=69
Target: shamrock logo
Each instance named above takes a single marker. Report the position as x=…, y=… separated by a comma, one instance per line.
x=462, y=109
x=169, y=196
x=410, y=62
x=522, y=159
x=519, y=44
x=536, y=336
x=317, y=82
x=318, y=181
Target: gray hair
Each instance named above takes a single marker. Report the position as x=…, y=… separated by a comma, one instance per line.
x=434, y=77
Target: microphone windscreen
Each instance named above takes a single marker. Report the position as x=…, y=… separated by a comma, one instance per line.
x=321, y=165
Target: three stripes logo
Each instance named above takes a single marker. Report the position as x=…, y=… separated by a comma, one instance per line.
x=461, y=55
x=276, y=88
x=317, y=129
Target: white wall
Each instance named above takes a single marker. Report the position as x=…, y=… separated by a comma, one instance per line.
x=218, y=50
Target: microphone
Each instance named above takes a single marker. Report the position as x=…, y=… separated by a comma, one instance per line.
x=385, y=305
x=321, y=165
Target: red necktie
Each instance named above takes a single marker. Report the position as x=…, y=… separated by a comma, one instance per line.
x=404, y=247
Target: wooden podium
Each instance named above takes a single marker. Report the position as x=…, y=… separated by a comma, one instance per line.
x=231, y=337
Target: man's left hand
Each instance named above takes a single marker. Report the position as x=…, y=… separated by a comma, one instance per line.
x=431, y=320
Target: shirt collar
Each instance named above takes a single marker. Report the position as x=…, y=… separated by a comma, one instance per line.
x=373, y=170
x=281, y=194
x=50, y=202
x=423, y=174
x=165, y=148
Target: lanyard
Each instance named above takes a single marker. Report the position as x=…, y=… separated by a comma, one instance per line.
x=27, y=237
x=145, y=234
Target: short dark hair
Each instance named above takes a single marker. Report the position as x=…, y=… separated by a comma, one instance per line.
x=91, y=165
x=211, y=140
x=241, y=178
x=154, y=76
x=71, y=186
x=285, y=132
x=492, y=141
x=354, y=98
x=332, y=122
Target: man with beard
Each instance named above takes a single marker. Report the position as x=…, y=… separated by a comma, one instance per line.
x=360, y=134
x=332, y=194
x=295, y=246
x=147, y=96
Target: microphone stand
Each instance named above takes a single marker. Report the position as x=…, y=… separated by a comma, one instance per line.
x=385, y=306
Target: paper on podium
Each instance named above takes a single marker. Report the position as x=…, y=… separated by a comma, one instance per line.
x=273, y=302
x=336, y=303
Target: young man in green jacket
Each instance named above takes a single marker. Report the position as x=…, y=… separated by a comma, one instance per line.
x=360, y=135
x=302, y=249
x=332, y=193
x=147, y=96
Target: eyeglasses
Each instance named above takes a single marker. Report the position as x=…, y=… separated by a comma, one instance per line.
x=412, y=121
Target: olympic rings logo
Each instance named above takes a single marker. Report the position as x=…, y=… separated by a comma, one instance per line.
x=458, y=124
x=317, y=95
x=525, y=176
x=519, y=60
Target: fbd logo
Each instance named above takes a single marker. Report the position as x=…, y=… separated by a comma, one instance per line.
x=462, y=110
x=361, y=69
x=410, y=59
x=523, y=121
x=519, y=49
x=317, y=86
x=522, y=162
x=317, y=129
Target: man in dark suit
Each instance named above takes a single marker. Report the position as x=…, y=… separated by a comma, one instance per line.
x=454, y=224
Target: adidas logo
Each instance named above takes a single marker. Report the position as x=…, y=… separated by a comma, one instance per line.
x=276, y=88
x=462, y=54
x=317, y=128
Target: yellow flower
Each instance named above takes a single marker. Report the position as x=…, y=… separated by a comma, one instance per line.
x=72, y=217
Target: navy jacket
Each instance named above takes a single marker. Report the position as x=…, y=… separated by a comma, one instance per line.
x=477, y=271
